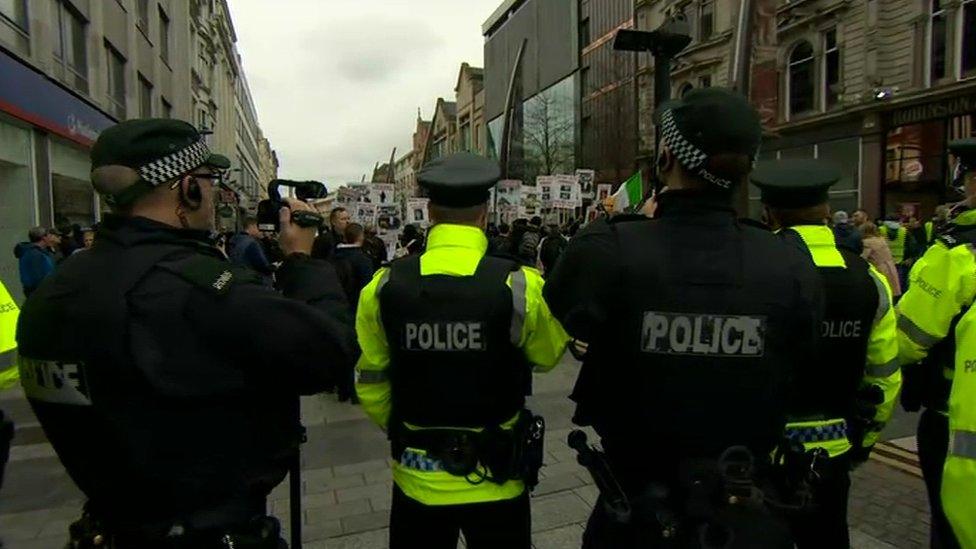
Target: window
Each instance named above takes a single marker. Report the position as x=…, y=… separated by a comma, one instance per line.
x=705, y=81
x=684, y=89
x=15, y=11
x=142, y=15
x=831, y=69
x=166, y=109
x=163, y=36
x=800, y=79
x=584, y=33
x=116, y=81
x=938, y=42
x=145, y=97
x=968, y=56
x=466, y=137
x=706, y=20
x=70, y=51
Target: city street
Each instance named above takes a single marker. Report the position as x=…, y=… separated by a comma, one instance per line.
x=346, y=482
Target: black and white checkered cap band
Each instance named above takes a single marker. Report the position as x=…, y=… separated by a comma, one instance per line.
x=176, y=164
x=690, y=156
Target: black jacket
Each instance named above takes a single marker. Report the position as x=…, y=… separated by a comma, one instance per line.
x=695, y=323
x=167, y=379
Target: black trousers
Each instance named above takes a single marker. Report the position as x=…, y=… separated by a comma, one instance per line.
x=826, y=525
x=498, y=524
x=933, y=445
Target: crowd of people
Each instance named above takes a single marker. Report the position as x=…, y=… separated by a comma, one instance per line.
x=45, y=248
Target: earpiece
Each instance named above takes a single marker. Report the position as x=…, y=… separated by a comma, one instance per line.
x=193, y=196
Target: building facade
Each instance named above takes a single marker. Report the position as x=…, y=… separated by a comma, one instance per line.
x=72, y=68
x=470, y=99
x=877, y=88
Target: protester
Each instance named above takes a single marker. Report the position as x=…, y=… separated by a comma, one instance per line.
x=502, y=241
x=877, y=252
x=526, y=246
x=351, y=251
x=860, y=217
x=244, y=249
x=845, y=234
x=375, y=248
x=551, y=248
x=35, y=259
x=338, y=219
x=412, y=241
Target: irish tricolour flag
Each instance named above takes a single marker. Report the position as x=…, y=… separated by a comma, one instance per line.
x=629, y=194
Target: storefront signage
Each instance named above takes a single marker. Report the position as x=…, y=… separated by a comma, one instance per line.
x=33, y=97
x=935, y=110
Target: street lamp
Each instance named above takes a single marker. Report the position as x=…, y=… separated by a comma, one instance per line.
x=663, y=44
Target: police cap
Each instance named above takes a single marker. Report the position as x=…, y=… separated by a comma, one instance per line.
x=707, y=122
x=799, y=183
x=158, y=149
x=459, y=180
x=965, y=151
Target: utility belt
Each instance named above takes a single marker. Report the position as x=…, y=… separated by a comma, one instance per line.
x=493, y=454
x=92, y=532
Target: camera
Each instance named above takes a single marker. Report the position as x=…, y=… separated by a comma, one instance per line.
x=304, y=190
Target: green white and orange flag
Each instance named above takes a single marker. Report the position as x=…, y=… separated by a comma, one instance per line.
x=629, y=194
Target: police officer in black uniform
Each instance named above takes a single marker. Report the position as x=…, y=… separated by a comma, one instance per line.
x=694, y=322
x=841, y=405
x=166, y=378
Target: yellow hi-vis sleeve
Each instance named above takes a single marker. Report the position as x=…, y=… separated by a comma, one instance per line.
x=544, y=340
x=9, y=312
x=372, y=381
x=959, y=473
x=882, y=368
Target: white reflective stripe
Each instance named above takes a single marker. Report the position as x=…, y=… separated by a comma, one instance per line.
x=882, y=370
x=884, y=304
x=518, y=306
x=964, y=444
x=371, y=377
x=916, y=334
x=7, y=359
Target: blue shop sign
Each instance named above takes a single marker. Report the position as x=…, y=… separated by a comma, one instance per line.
x=35, y=98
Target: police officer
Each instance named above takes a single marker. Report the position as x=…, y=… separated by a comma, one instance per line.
x=694, y=322
x=8, y=369
x=166, y=378
x=933, y=317
x=449, y=339
x=840, y=406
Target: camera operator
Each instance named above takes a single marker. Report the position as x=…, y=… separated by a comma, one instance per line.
x=174, y=426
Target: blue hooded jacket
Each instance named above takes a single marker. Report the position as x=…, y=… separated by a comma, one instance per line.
x=35, y=264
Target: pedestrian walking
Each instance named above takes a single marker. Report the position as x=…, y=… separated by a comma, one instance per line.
x=35, y=259
x=693, y=302
x=845, y=401
x=934, y=328
x=449, y=339
x=177, y=407
x=877, y=253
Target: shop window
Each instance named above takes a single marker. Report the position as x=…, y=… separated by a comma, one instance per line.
x=846, y=155
x=116, y=81
x=164, y=32
x=938, y=41
x=968, y=55
x=831, y=69
x=685, y=89
x=16, y=199
x=70, y=51
x=71, y=192
x=800, y=79
x=142, y=15
x=145, y=97
x=15, y=11
x=549, y=131
x=706, y=19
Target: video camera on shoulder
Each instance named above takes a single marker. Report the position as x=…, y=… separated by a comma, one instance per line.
x=305, y=191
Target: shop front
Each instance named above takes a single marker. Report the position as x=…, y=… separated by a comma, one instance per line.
x=918, y=167
x=46, y=132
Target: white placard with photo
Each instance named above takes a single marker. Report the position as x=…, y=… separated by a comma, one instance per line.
x=382, y=193
x=417, y=213
x=363, y=213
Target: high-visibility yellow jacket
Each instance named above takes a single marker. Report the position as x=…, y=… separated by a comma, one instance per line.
x=8, y=340
x=929, y=232
x=943, y=287
x=898, y=244
x=881, y=361
x=453, y=250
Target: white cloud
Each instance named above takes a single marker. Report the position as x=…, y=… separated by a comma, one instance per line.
x=337, y=83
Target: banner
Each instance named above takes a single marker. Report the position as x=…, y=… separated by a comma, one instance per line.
x=417, y=213
x=565, y=192
x=585, y=179
x=530, y=203
x=382, y=193
x=363, y=213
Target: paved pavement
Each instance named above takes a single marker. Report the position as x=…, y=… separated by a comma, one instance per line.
x=347, y=483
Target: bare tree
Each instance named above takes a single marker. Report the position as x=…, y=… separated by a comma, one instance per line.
x=550, y=129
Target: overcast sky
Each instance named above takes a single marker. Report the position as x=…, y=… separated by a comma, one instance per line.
x=337, y=83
